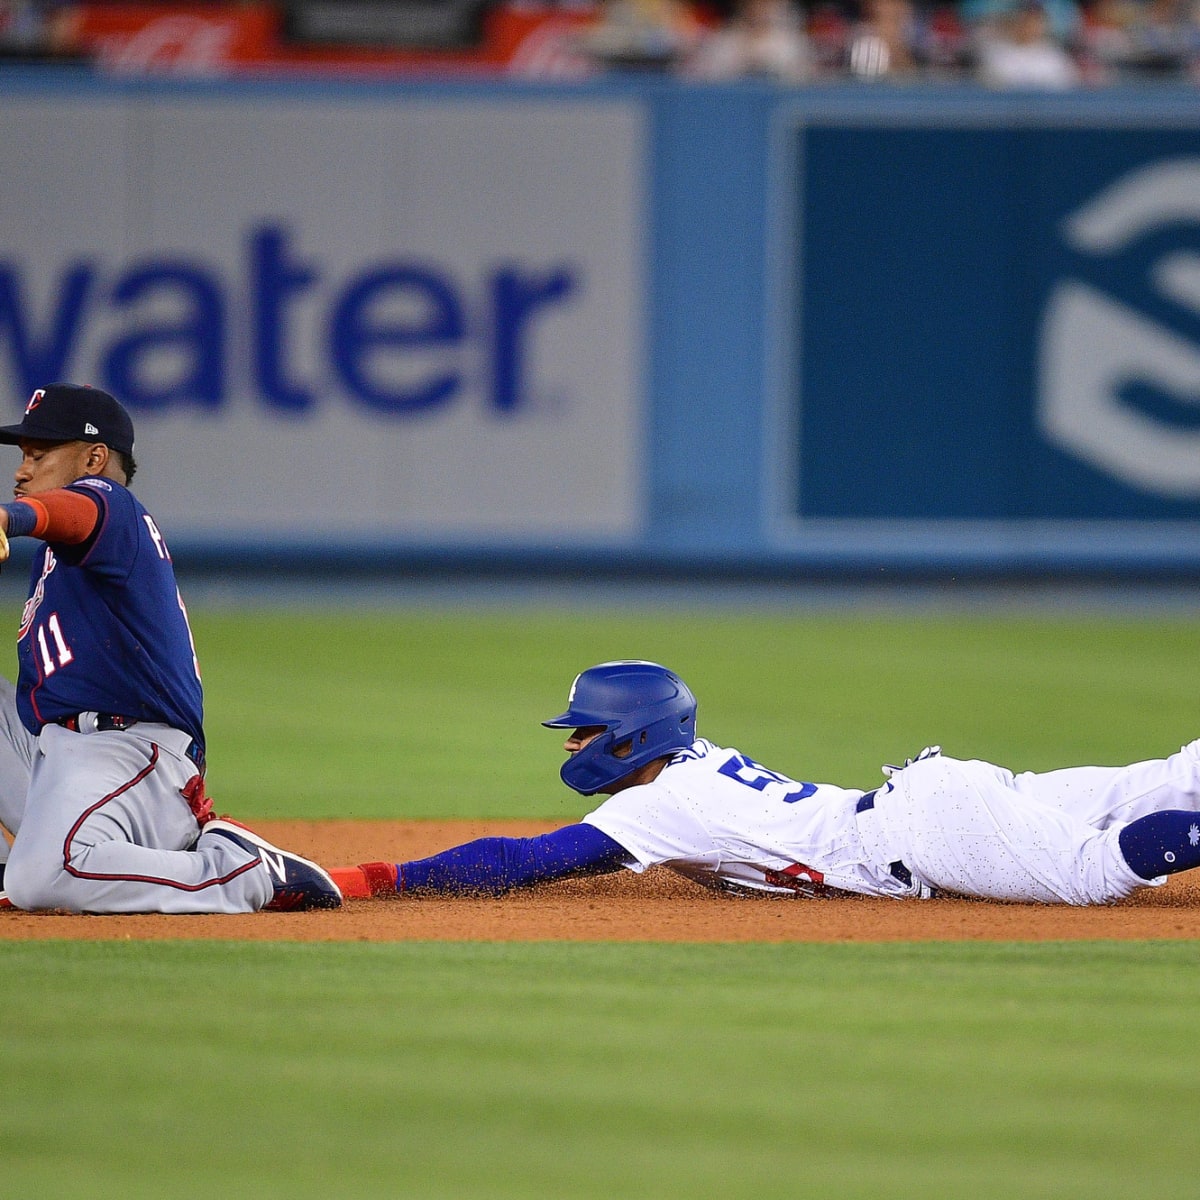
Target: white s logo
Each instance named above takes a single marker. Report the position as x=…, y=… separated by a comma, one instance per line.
x=1093, y=345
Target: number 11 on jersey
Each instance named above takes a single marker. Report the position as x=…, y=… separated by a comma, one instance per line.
x=56, y=655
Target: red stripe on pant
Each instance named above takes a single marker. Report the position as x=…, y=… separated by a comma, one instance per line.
x=171, y=883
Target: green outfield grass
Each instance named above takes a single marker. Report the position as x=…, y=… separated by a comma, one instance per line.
x=333, y=714
x=456, y=1071
x=288, y=1072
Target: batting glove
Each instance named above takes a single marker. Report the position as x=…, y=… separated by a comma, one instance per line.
x=890, y=769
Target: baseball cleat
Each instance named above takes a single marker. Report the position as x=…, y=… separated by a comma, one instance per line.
x=299, y=884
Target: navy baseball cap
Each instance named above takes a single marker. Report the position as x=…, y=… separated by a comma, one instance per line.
x=68, y=412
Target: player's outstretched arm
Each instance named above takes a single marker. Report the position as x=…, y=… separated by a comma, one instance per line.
x=55, y=516
x=490, y=866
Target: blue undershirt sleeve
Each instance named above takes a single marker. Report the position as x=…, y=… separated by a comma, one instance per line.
x=22, y=518
x=493, y=866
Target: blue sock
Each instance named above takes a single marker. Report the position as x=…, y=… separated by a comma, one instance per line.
x=1162, y=843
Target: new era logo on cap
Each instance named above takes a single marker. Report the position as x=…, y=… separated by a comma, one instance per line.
x=68, y=412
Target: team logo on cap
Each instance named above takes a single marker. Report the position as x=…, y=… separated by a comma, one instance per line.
x=35, y=400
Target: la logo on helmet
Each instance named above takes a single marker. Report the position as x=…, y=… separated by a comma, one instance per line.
x=35, y=400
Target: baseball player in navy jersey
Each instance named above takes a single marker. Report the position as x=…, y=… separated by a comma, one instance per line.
x=113, y=815
x=1085, y=835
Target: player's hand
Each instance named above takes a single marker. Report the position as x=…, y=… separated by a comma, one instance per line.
x=890, y=769
x=4, y=551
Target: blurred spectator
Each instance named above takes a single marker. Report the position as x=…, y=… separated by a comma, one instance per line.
x=885, y=41
x=639, y=34
x=1065, y=16
x=33, y=31
x=20, y=27
x=1163, y=39
x=1019, y=50
x=946, y=44
x=828, y=36
x=1105, y=40
x=763, y=38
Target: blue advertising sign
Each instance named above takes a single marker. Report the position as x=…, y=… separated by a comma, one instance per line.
x=998, y=323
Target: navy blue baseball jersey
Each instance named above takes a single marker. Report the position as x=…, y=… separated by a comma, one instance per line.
x=104, y=628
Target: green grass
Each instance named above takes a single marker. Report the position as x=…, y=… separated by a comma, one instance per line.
x=472, y=1070
x=293, y=1071
x=327, y=714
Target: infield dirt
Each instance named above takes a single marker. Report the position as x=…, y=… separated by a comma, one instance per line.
x=658, y=906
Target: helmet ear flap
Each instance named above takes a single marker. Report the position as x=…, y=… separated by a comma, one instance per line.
x=646, y=712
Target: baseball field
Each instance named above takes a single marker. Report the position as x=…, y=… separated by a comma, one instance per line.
x=628, y=1037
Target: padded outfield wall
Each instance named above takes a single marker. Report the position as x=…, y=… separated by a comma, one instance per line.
x=623, y=324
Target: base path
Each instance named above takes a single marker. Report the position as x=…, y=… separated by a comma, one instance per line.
x=658, y=906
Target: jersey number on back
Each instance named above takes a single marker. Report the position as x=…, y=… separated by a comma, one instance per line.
x=745, y=770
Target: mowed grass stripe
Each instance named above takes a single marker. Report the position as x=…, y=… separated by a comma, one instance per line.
x=451, y=1070
x=411, y=714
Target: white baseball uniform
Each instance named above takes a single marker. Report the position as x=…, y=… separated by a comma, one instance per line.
x=939, y=824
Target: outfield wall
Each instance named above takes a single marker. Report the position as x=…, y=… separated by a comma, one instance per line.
x=632, y=323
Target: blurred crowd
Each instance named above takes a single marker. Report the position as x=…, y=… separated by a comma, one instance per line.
x=1034, y=44
x=1042, y=44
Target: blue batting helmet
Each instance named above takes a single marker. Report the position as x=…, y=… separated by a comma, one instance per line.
x=645, y=711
